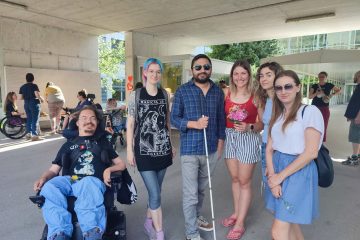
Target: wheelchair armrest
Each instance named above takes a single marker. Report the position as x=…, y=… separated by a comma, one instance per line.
x=38, y=200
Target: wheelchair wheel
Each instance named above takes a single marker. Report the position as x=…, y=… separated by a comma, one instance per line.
x=14, y=128
x=2, y=121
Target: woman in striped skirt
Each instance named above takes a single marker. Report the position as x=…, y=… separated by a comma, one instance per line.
x=242, y=147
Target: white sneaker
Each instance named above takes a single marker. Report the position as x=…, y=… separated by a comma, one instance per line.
x=36, y=138
x=28, y=136
x=204, y=225
x=195, y=238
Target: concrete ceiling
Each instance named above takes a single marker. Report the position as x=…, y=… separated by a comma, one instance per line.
x=339, y=64
x=193, y=22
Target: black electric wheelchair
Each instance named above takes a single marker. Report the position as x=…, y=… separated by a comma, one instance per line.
x=116, y=220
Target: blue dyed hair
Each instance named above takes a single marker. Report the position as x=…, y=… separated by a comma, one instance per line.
x=147, y=63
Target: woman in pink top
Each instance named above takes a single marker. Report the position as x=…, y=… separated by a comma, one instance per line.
x=242, y=146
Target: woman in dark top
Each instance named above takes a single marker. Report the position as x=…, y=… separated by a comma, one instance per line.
x=10, y=107
x=83, y=101
x=353, y=115
x=321, y=94
x=30, y=93
x=149, y=145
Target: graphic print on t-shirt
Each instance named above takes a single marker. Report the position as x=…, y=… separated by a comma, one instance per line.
x=154, y=137
x=85, y=164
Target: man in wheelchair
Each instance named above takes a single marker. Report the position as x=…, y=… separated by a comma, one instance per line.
x=86, y=179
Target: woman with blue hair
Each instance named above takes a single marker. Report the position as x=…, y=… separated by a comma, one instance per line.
x=148, y=136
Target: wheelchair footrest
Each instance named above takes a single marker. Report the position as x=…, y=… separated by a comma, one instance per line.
x=116, y=226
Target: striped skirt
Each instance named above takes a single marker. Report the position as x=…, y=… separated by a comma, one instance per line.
x=243, y=146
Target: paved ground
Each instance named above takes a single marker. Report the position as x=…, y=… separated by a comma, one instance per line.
x=22, y=162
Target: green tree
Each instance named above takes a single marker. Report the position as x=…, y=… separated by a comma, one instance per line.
x=111, y=54
x=251, y=51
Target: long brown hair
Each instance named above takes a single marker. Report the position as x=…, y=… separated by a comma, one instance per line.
x=9, y=99
x=279, y=108
x=245, y=65
x=260, y=93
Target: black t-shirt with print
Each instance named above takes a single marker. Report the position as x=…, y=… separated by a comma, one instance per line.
x=317, y=100
x=152, y=141
x=27, y=90
x=87, y=154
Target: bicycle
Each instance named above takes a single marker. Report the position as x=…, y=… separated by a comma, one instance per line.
x=13, y=127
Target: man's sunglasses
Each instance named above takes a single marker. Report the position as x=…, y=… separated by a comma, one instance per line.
x=286, y=87
x=199, y=67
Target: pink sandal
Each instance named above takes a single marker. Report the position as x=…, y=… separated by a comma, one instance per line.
x=235, y=234
x=229, y=221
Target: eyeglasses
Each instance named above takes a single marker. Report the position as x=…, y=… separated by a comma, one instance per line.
x=286, y=87
x=199, y=67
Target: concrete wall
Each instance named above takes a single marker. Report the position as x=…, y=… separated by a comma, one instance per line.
x=36, y=48
x=33, y=46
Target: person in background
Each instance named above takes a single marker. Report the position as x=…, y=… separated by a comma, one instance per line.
x=353, y=115
x=149, y=144
x=10, y=107
x=295, y=137
x=55, y=99
x=198, y=105
x=321, y=94
x=83, y=101
x=223, y=86
x=138, y=85
x=242, y=145
x=30, y=93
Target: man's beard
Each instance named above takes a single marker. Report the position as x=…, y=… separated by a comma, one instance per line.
x=92, y=131
x=202, y=80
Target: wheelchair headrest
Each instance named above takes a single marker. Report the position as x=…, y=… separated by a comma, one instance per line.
x=73, y=130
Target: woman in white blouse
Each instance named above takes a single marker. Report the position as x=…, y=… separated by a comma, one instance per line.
x=295, y=136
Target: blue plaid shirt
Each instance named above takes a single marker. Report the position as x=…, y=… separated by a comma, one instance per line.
x=189, y=101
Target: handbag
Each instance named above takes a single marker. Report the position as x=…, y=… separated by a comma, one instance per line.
x=127, y=193
x=324, y=165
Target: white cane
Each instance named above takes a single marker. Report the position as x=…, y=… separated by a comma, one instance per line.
x=210, y=188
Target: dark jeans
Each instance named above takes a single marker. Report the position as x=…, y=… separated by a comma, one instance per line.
x=32, y=109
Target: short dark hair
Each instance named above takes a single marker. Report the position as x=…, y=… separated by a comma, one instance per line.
x=323, y=73
x=198, y=57
x=139, y=85
x=29, y=77
x=82, y=93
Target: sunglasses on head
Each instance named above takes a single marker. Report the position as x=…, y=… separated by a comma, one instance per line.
x=286, y=87
x=199, y=67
